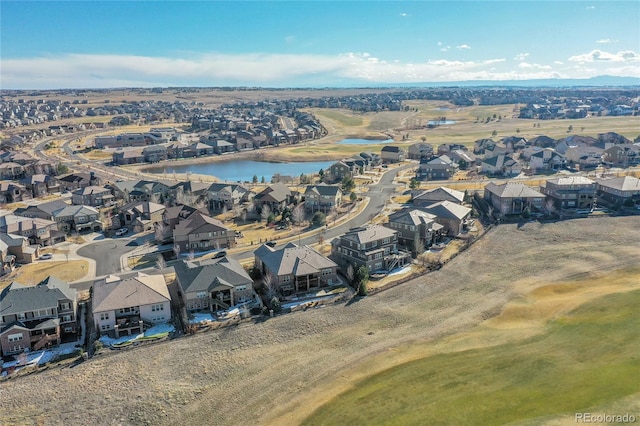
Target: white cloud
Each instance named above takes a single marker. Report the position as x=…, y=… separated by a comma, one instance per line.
x=601, y=56
x=463, y=47
x=558, y=62
x=521, y=56
x=282, y=70
x=590, y=7
x=404, y=15
x=290, y=39
x=606, y=41
x=445, y=49
x=439, y=43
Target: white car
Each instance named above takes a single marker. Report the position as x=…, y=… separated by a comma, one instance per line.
x=121, y=231
x=46, y=256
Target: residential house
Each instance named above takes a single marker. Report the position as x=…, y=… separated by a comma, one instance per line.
x=200, y=232
x=340, y=170
x=463, y=158
x=213, y=284
x=41, y=232
x=502, y=165
x=416, y=229
x=222, y=195
x=622, y=155
x=127, y=156
x=393, y=154
x=11, y=192
x=11, y=171
x=155, y=153
x=128, y=306
x=7, y=261
x=171, y=216
x=373, y=246
x=293, y=269
x=42, y=210
x=575, y=192
x=441, y=167
x=18, y=247
x=221, y=146
x=619, y=191
x=277, y=196
x=36, y=317
x=72, y=181
x=583, y=157
x=442, y=193
x=139, y=190
x=513, y=198
x=78, y=218
x=94, y=196
x=142, y=215
x=40, y=184
x=420, y=150
x=322, y=197
x=452, y=216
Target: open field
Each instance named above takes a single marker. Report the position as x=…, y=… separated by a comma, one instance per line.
x=33, y=273
x=281, y=370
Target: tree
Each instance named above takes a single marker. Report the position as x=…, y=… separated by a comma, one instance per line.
x=518, y=130
x=270, y=285
x=263, y=180
x=569, y=129
x=321, y=174
x=62, y=169
x=243, y=216
x=160, y=232
x=414, y=183
x=191, y=255
x=254, y=179
x=353, y=197
x=418, y=246
x=319, y=219
x=176, y=250
x=350, y=273
x=304, y=179
x=494, y=133
x=298, y=215
x=463, y=164
x=347, y=184
x=266, y=211
x=271, y=218
x=160, y=263
x=360, y=281
x=423, y=138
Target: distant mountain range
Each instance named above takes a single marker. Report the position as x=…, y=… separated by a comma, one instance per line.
x=599, y=81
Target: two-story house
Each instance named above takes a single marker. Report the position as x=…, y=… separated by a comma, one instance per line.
x=574, y=192
x=513, y=198
x=200, y=232
x=35, y=317
x=441, y=167
x=620, y=190
x=78, y=218
x=94, y=196
x=322, y=197
x=223, y=195
x=277, y=196
x=214, y=284
x=452, y=216
x=416, y=229
x=128, y=306
x=373, y=246
x=393, y=154
x=294, y=268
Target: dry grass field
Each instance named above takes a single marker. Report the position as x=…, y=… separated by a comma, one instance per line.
x=279, y=371
x=33, y=273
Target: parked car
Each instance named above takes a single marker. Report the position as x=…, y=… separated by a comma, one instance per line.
x=220, y=254
x=46, y=256
x=121, y=231
x=271, y=243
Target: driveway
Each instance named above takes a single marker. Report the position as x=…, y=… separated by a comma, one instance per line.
x=107, y=254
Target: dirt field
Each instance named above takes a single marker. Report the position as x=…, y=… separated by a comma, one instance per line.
x=280, y=370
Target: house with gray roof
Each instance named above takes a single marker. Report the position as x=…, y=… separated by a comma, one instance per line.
x=513, y=198
x=620, y=190
x=94, y=196
x=392, y=154
x=416, y=229
x=293, y=269
x=372, y=246
x=450, y=215
x=214, y=284
x=277, y=196
x=39, y=231
x=78, y=218
x=223, y=195
x=128, y=306
x=18, y=249
x=322, y=197
x=572, y=192
x=34, y=317
x=200, y=232
x=442, y=193
x=441, y=167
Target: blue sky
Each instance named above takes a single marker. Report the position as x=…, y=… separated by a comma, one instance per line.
x=82, y=44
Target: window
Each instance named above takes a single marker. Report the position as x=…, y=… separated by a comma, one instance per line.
x=104, y=316
x=67, y=318
x=241, y=288
x=68, y=329
x=21, y=316
x=159, y=307
x=378, y=256
x=385, y=241
x=125, y=310
x=65, y=306
x=15, y=337
x=201, y=294
x=104, y=327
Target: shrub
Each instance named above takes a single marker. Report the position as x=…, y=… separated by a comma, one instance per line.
x=318, y=219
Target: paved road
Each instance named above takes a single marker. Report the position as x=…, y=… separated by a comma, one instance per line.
x=107, y=254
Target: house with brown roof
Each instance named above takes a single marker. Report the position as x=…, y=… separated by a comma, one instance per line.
x=94, y=196
x=392, y=154
x=277, y=196
x=72, y=181
x=214, y=284
x=513, y=198
x=200, y=232
x=373, y=246
x=18, y=247
x=128, y=306
x=38, y=231
x=420, y=150
x=293, y=269
x=11, y=192
x=222, y=195
x=35, y=317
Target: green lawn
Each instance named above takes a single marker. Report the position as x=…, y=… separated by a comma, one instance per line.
x=585, y=359
x=346, y=118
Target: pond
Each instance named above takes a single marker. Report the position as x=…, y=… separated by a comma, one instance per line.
x=364, y=141
x=244, y=170
x=440, y=122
